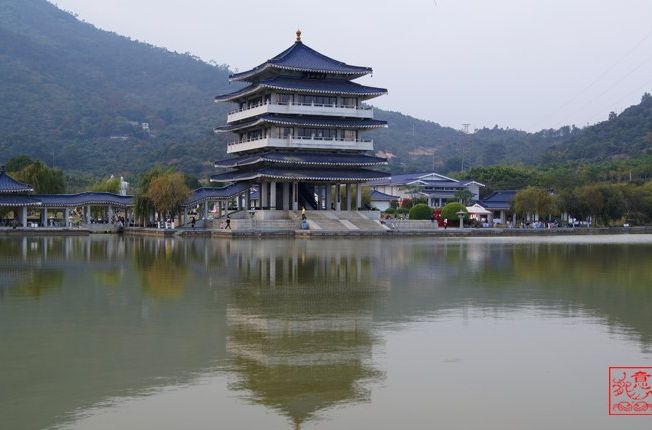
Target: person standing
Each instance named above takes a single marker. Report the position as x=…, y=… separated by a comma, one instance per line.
x=445, y=223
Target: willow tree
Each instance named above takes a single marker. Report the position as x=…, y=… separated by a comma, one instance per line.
x=143, y=205
x=534, y=200
x=168, y=192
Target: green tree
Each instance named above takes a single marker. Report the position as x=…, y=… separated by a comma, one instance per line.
x=450, y=210
x=110, y=185
x=168, y=192
x=420, y=211
x=43, y=179
x=464, y=196
x=16, y=164
x=534, y=200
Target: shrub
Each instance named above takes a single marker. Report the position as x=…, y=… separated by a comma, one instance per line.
x=402, y=211
x=390, y=211
x=450, y=211
x=420, y=211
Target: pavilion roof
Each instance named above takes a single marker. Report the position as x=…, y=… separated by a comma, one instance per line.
x=203, y=194
x=315, y=174
x=16, y=200
x=85, y=198
x=499, y=200
x=301, y=58
x=309, y=86
x=304, y=121
x=377, y=196
x=10, y=185
x=301, y=158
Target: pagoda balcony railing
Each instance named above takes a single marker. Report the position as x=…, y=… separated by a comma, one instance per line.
x=301, y=109
x=297, y=142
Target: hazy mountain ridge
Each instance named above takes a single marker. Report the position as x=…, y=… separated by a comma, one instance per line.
x=77, y=96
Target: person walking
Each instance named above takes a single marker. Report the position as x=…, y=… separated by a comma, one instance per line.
x=192, y=222
x=303, y=213
x=228, y=222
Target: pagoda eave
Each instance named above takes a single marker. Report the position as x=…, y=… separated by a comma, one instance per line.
x=312, y=175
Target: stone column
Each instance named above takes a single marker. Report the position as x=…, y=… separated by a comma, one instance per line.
x=329, y=196
x=219, y=208
x=348, y=197
x=272, y=195
x=23, y=216
x=295, y=196
x=206, y=210
x=286, y=196
x=358, y=196
x=66, y=215
x=338, y=198
x=248, y=199
x=263, y=195
x=110, y=213
x=88, y=214
x=44, y=217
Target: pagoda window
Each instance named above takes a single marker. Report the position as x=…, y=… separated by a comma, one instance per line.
x=349, y=134
x=254, y=135
x=349, y=101
x=285, y=99
x=285, y=132
x=317, y=100
x=317, y=133
x=255, y=102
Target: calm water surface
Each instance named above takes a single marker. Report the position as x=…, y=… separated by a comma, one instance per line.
x=139, y=333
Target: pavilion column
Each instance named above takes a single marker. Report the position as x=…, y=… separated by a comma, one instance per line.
x=502, y=217
x=348, y=197
x=263, y=195
x=111, y=213
x=206, y=210
x=219, y=208
x=44, y=217
x=23, y=216
x=248, y=199
x=66, y=215
x=295, y=196
x=185, y=216
x=358, y=196
x=272, y=195
x=338, y=198
x=88, y=214
x=329, y=196
x=440, y=202
x=286, y=196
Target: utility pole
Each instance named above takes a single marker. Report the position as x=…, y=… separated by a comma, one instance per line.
x=462, y=155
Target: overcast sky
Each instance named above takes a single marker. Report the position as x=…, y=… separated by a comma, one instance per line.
x=526, y=64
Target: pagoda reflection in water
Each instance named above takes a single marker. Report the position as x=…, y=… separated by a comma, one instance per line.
x=301, y=339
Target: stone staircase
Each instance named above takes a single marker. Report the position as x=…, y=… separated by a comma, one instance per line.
x=343, y=221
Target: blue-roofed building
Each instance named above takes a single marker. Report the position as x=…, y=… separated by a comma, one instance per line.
x=299, y=128
x=500, y=204
x=436, y=188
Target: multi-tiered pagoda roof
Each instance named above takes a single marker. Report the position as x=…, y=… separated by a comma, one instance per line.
x=300, y=119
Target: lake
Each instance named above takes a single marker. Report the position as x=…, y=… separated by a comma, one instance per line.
x=111, y=332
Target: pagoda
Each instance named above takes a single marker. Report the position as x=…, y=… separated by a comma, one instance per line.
x=299, y=126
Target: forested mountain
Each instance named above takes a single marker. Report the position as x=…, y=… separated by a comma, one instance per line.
x=77, y=97
x=620, y=137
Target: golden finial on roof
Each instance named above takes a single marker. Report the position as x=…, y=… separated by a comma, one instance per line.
x=298, y=35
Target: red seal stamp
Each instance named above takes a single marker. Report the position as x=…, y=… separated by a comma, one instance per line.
x=630, y=392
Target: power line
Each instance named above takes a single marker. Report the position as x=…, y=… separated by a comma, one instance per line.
x=596, y=80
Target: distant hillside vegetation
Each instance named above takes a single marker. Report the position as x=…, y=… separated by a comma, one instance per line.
x=77, y=97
